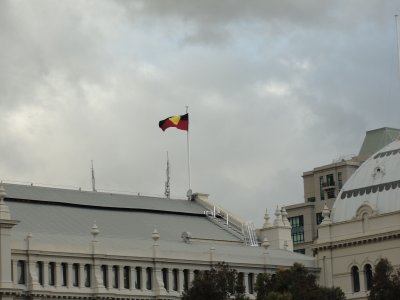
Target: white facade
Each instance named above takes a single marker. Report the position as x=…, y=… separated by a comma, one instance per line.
x=58, y=243
x=364, y=225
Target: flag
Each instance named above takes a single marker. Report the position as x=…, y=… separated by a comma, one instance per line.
x=180, y=122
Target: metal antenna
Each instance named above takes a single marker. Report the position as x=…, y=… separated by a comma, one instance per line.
x=93, y=179
x=167, y=192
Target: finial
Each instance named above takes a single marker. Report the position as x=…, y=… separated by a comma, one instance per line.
x=265, y=243
x=155, y=235
x=278, y=217
x=284, y=217
x=95, y=231
x=4, y=211
x=325, y=214
x=267, y=224
x=3, y=194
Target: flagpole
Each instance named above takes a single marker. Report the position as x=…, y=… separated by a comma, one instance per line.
x=189, y=192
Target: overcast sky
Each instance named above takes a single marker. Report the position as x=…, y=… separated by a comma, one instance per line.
x=274, y=88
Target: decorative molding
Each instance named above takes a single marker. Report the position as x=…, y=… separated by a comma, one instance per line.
x=372, y=188
x=387, y=153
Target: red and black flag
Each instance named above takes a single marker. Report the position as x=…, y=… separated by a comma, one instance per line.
x=180, y=122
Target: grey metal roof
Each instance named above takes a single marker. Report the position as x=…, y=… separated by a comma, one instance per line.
x=100, y=199
x=61, y=227
x=77, y=221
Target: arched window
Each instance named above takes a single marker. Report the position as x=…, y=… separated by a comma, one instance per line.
x=175, y=275
x=368, y=276
x=149, y=277
x=127, y=277
x=138, y=280
x=88, y=272
x=165, y=277
x=52, y=273
x=21, y=271
x=355, y=278
x=39, y=272
x=250, y=280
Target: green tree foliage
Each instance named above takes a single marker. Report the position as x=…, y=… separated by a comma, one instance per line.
x=296, y=283
x=385, y=282
x=219, y=283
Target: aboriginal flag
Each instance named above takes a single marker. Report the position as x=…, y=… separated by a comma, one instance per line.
x=180, y=122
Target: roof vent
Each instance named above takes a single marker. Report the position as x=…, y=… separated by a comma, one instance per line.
x=186, y=236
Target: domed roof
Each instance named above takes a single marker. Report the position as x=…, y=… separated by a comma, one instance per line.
x=375, y=185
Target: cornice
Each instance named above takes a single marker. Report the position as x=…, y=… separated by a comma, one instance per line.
x=354, y=242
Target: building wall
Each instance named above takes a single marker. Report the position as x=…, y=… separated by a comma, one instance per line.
x=356, y=243
x=314, y=201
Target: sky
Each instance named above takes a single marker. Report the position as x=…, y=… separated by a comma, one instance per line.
x=274, y=88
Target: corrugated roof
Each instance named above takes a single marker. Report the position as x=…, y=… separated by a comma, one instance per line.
x=100, y=199
x=67, y=228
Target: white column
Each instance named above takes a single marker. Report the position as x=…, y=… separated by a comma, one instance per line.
x=45, y=273
x=121, y=277
x=170, y=280
x=143, y=279
x=109, y=277
x=132, y=278
x=81, y=277
x=15, y=271
x=58, y=275
x=181, y=277
x=246, y=283
x=70, y=275
x=191, y=277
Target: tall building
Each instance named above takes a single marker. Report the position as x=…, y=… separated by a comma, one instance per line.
x=323, y=184
x=74, y=244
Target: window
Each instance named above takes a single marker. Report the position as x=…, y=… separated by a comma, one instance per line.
x=301, y=251
x=138, y=281
x=330, y=180
x=340, y=180
x=368, y=276
x=196, y=273
x=321, y=187
x=311, y=199
x=319, y=218
x=175, y=277
x=64, y=270
x=115, y=279
x=149, y=283
x=21, y=272
x=39, y=272
x=297, y=229
x=241, y=281
x=52, y=273
x=104, y=271
x=355, y=278
x=87, y=275
x=75, y=274
x=165, y=278
x=127, y=277
x=185, y=279
x=251, y=283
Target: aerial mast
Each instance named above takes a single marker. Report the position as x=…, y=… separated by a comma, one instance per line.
x=167, y=192
x=93, y=179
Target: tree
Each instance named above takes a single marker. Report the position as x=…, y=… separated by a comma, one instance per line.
x=296, y=283
x=219, y=283
x=385, y=282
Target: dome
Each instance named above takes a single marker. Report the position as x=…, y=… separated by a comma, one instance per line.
x=375, y=186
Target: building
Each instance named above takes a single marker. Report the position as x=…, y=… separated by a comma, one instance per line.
x=363, y=226
x=75, y=244
x=323, y=184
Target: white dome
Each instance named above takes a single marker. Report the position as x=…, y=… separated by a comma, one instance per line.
x=376, y=184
